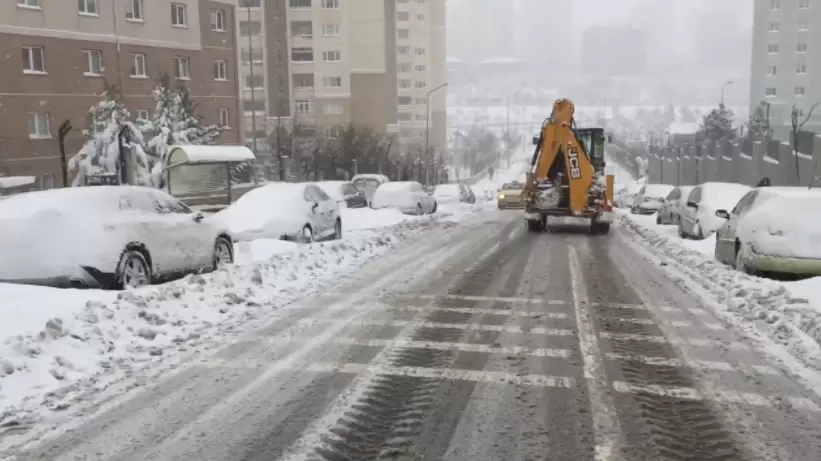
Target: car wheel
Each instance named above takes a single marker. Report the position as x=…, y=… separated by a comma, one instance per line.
x=337, y=230
x=658, y=220
x=307, y=235
x=223, y=253
x=133, y=270
x=419, y=210
x=435, y=206
x=681, y=232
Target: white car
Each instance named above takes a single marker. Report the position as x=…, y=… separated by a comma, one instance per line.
x=698, y=217
x=407, y=196
x=650, y=198
x=739, y=240
x=453, y=193
x=670, y=211
x=345, y=193
x=368, y=183
x=299, y=212
x=106, y=237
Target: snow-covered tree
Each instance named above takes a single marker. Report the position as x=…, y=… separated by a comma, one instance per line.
x=718, y=125
x=758, y=126
x=100, y=155
x=173, y=122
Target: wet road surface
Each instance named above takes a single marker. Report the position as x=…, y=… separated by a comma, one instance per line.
x=484, y=342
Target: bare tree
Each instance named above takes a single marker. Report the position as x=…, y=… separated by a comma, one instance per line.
x=797, y=126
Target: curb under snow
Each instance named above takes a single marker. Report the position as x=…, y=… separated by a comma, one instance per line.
x=789, y=321
x=132, y=333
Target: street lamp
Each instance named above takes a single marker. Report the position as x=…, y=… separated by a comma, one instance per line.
x=427, y=123
x=725, y=85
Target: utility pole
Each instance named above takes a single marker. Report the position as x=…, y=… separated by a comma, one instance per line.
x=427, y=124
x=725, y=85
x=251, y=75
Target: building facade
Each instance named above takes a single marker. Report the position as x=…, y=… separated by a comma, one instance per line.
x=786, y=62
x=57, y=56
x=329, y=63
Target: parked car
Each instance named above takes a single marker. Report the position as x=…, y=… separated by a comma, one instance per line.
x=650, y=198
x=510, y=195
x=407, y=196
x=698, y=217
x=676, y=200
x=453, y=193
x=624, y=197
x=368, y=183
x=345, y=193
x=106, y=237
x=739, y=233
x=300, y=212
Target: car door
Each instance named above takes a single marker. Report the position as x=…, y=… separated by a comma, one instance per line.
x=313, y=210
x=199, y=232
x=330, y=210
x=324, y=206
x=353, y=198
x=727, y=233
x=147, y=225
x=688, y=214
x=666, y=211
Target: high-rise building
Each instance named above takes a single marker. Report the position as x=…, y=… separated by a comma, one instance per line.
x=784, y=60
x=59, y=54
x=328, y=63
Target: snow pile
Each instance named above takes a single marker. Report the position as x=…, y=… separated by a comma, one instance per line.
x=790, y=320
x=63, y=347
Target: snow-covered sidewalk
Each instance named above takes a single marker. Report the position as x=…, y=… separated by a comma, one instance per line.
x=788, y=312
x=61, y=347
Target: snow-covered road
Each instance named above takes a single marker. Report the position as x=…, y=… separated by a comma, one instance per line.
x=475, y=342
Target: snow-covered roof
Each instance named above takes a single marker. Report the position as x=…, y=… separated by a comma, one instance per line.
x=208, y=154
x=7, y=182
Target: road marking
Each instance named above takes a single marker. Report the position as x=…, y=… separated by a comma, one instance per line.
x=640, y=307
x=470, y=310
x=664, y=391
x=462, y=347
x=688, y=324
x=605, y=424
x=459, y=326
x=703, y=364
x=663, y=340
x=632, y=320
x=801, y=403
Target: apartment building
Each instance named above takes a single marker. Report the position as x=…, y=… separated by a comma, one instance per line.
x=786, y=61
x=327, y=63
x=57, y=54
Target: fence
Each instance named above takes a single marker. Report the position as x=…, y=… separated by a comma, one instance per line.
x=746, y=162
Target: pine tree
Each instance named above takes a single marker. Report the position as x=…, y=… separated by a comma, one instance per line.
x=758, y=127
x=718, y=125
x=100, y=155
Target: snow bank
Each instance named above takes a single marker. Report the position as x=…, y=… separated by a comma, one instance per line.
x=790, y=313
x=63, y=347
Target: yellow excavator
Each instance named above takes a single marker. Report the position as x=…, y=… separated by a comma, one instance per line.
x=567, y=176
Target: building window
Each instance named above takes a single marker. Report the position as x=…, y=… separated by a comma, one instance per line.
x=403, y=50
x=138, y=69
x=302, y=54
x=39, y=125
x=142, y=114
x=403, y=33
x=302, y=29
x=182, y=68
x=801, y=69
x=29, y=4
x=404, y=101
x=302, y=81
x=403, y=116
x=252, y=28
x=303, y=106
x=299, y=3
x=420, y=17
x=88, y=7
x=218, y=20
x=225, y=121
x=421, y=101
x=771, y=70
x=801, y=48
x=419, y=51
x=775, y=5
x=333, y=108
x=803, y=4
x=772, y=49
x=249, y=3
x=800, y=91
x=34, y=61
x=221, y=70
x=330, y=4
x=134, y=10
x=404, y=83
x=420, y=68
x=421, y=84
x=402, y=15
x=770, y=91
x=331, y=56
x=330, y=30
x=255, y=81
x=403, y=67
x=179, y=15
x=775, y=26
x=332, y=82
x=93, y=62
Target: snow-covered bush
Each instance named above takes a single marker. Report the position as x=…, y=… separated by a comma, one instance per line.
x=100, y=155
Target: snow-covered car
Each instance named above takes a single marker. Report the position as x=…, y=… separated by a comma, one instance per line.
x=676, y=200
x=728, y=241
x=650, y=198
x=300, y=212
x=106, y=237
x=624, y=197
x=368, y=183
x=698, y=217
x=345, y=193
x=782, y=235
x=453, y=193
x=407, y=196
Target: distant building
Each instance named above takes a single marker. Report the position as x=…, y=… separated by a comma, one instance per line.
x=545, y=35
x=613, y=51
x=481, y=29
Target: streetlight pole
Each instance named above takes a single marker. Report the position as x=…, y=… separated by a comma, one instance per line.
x=427, y=124
x=251, y=75
x=725, y=85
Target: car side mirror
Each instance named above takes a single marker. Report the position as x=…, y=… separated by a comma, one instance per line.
x=535, y=140
x=692, y=204
x=198, y=216
x=723, y=214
x=316, y=205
